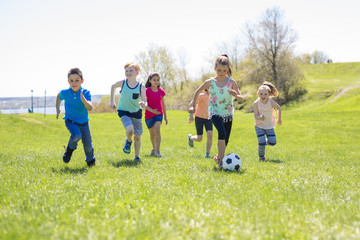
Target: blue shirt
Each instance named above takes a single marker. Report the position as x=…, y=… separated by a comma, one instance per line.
x=75, y=110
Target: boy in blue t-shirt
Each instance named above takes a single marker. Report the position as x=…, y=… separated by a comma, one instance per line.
x=77, y=104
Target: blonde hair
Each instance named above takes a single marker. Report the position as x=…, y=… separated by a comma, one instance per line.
x=132, y=65
x=224, y=60
x=273, y=92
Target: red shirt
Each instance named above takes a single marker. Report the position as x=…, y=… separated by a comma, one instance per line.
x=154, y=101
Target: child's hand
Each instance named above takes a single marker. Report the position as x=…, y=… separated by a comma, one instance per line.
x=278, y=122
x=112, y=105
x=142, y=104
x=156, y=112
x=191, y=110
x=191, y=118
x=262, y=117
x=166, y=121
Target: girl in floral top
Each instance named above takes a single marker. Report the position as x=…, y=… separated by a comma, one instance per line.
x=221, y=110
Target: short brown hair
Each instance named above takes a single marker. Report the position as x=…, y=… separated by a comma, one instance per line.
x=75, y=71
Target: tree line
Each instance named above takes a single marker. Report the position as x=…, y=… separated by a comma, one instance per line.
x=264, y=51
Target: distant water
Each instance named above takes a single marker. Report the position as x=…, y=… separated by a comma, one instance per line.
x=48, y=111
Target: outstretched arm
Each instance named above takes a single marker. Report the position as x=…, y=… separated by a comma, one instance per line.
x=112, y=92
x=58, y=101
x=202, y=87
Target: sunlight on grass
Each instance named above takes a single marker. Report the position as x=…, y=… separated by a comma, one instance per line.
x=307, y=188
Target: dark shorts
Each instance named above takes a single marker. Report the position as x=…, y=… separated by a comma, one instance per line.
x=200, y=122
x=151, y=122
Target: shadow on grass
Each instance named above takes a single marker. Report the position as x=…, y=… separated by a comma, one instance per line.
x=68, y=170
x=124, y=163
x=274, y=161
x=240, y=172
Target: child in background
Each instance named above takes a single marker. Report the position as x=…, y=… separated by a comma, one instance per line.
x=132, y=94
x=202, y=119
x=265, y=115
x=222, y=90
x=77, y=104
x=155, y=99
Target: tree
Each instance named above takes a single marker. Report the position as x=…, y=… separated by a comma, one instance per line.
x=233, y=50
x=159, y=59
x=319, y=57
x=270, y=54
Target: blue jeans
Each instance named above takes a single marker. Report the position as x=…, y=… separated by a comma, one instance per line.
x=80, y=131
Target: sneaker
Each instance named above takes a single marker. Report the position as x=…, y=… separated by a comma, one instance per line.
x=152, y=152
x=158, y=154
x=137, y=159
x=191, y=143
x=207, y=155
x=262, y=159
x=67, y=154
x=91, y=163
x=216, y=158
x=127, y=146
x=220, y=165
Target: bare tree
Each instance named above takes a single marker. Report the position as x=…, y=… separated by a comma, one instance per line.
x=319, y=57
x=159, y=59
x=270, y=53
x=233, y=49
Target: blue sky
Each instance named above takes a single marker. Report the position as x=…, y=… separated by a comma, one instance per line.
x=42, y=39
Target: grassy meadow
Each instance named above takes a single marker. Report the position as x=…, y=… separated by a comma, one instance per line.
x=307, y=189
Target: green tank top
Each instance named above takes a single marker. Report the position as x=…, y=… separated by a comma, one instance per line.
x=221, y=101
x=130, y=98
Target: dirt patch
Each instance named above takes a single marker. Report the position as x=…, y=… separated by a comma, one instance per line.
x=342, y=93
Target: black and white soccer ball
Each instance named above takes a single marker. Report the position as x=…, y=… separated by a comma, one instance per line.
x=232, y=162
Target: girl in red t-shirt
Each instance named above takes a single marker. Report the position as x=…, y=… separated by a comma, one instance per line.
x=155, y=99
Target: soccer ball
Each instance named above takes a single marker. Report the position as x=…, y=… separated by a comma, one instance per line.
x=232, y=162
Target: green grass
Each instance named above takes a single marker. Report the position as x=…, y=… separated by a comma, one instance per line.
x=332, y=76
x=308, y=188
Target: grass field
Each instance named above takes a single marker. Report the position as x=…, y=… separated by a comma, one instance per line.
x=308, y=188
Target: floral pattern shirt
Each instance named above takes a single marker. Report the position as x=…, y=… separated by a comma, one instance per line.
x=221, y=101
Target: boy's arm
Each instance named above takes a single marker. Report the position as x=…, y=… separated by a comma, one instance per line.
x=58, y=101
x=112, y=92
x=88, y=105
x=143, y=102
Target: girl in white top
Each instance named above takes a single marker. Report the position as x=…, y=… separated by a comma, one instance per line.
x=265, y=109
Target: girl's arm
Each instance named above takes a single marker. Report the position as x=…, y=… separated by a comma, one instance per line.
x=278, y=110
x=257, y=114
x=88, y=105
x=164, y=109
x=235, y=91
x=203, y=86
x=143, y=102
x=58, y=101
x=112, y=92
